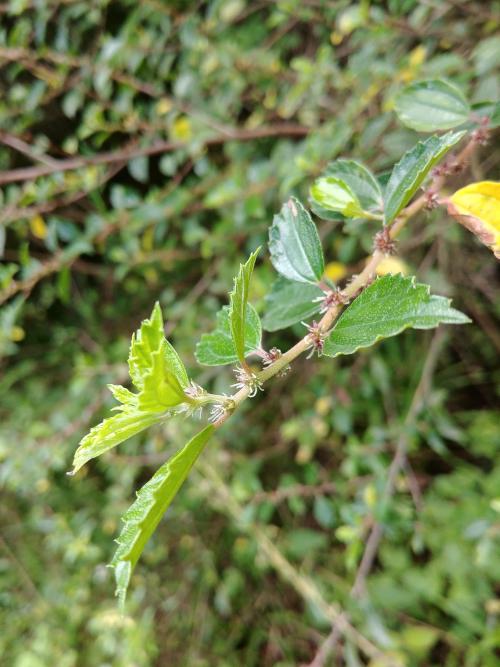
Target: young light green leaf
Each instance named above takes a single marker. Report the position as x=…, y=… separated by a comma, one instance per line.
x=113, y=431
x=432, y=105
x=294, y=244
x=160, y=376
x=385, y=308
x=238, y=300
x=217, y=348
x=335, y=195
x=289, y=303
x=360, y=180
x=150, y=339
x=143, y=516
x=409, y=173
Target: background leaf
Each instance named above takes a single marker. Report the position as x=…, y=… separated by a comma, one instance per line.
x=288, y=303
x=151, y=504
x=294, y=244
x=385, y=308
x=409, y=173
x=238, y=300
x=217, y=348
x=431, y=105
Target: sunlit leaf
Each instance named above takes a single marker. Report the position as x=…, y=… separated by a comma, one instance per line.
x=360, y=182
x=142, y=518
x=159, y=375
x=146, y=343
x=335, y=195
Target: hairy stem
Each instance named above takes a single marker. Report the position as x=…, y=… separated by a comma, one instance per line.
x=358, y=283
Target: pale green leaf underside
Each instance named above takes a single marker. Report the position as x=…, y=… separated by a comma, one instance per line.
x=158, y=374
x=385, y=308
x=335, y=195
x=289, y=303
x=153, y=499
x=360, y=180
x=294, y=244
x=432, y=105
x=409, y=173
x=217, y=348
x=112, y=432
x=149, y=339
x=238, y=300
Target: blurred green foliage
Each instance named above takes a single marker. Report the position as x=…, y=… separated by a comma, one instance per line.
x=213, y=113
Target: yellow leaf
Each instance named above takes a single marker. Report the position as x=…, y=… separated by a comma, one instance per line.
x=477, y=207
x=417, y=56
x=38, y=227
x=370, y=496
x=181, y=129
x=336, y=38
x=163, y=106
x=392, y=265
x=17, y=334
x=335, y=271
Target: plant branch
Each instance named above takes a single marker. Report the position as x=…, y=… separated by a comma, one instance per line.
x=358, y=282
x=133, y=150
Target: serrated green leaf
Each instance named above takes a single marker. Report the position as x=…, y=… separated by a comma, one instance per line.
x=149, y=339
x=294, y=244
x=409, y=173
x=431, y=105
x=217, y=348
x=143, y=516
x=160, y=376
x=111, y=432
x=289, y=303
x=335, y=195
x=238, y=300
x=360, y=180
x=385, y=308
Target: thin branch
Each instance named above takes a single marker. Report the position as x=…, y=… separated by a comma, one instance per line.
x=397, y=465
x=302, y=584
x=132, y=150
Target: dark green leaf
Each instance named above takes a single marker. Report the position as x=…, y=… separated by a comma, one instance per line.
x=409, y=173
x=385, y=308
x=289, y=303
x=294, y=244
